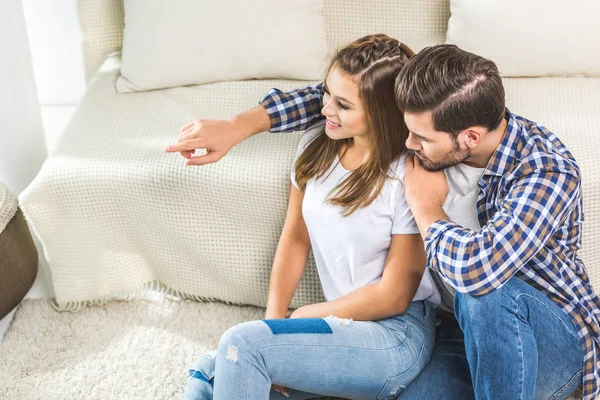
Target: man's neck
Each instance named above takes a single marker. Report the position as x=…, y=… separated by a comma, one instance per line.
x=488, y=145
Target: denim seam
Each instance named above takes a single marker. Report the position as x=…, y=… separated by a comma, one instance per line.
x=423, y=326
x=406, y=325
x=553, y=313
x=423, y=349
x=569, y=331
x=561, y=390
x=522, y=372
x=248, y=377
x=248, y=369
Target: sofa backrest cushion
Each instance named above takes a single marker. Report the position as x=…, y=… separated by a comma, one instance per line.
x=530, y=38
x=191, y=42
x=417, y=23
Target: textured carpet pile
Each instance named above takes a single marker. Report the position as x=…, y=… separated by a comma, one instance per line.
x=136, y=349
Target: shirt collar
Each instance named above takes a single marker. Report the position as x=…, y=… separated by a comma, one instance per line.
x=505, y=155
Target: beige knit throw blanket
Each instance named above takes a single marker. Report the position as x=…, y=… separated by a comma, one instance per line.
x=8, y=206
x=117, y=216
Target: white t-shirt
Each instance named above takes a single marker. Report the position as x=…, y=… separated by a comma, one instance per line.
x=350, y=252
x=461, y=207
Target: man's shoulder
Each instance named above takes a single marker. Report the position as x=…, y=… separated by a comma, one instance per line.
x=542, y=150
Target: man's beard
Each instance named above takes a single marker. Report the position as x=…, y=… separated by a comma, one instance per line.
x=456, y=156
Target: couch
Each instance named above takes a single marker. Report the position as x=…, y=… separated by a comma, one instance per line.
x=117, y=216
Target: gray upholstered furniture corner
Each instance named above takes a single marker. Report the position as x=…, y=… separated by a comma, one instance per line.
x=18, y=254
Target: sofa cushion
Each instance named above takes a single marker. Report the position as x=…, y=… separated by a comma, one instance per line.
x=179, y=43
x=417, y=23
x=530, y=38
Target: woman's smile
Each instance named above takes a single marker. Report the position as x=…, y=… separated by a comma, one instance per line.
x=332, y=125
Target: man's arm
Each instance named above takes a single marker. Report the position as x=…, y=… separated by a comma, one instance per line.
x=217, y=136
x=295, y=110
x=277, y=112
x=480, y=262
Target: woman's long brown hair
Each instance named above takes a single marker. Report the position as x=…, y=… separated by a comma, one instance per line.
x=373, y=62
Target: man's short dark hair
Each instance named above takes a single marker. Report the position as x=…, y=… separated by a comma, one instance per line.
x=461, y=89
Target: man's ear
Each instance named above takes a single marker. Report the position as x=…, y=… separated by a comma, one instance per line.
x=471, y=137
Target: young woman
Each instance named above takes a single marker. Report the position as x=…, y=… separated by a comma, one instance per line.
x=375, y=332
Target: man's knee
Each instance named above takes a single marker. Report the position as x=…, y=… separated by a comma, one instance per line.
x=475, y=312
x=496, y=300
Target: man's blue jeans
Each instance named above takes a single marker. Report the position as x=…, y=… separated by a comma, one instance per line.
x=518, y=344
x=325, y=356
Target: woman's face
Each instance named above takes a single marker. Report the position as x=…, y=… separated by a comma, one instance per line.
x=346, y=117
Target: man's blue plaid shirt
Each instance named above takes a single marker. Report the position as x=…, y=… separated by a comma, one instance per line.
x=530, y=210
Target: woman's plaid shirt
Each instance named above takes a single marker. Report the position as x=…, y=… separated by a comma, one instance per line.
x=530, y=210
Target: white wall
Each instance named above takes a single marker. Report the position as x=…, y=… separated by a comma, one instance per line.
x=40, y=64
x=55, y=42
x=22, y=143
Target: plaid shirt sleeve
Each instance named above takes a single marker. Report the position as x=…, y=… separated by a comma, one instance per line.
x=295, y=110
x=480, y=262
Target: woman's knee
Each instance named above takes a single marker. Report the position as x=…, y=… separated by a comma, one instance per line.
x=247, y=335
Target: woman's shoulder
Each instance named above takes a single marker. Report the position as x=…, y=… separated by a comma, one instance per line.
x=395, y=181
x=398, y=166
x=311, y=132
x=308, y=135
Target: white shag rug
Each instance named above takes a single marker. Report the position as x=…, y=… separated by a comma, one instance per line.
x=138, y=349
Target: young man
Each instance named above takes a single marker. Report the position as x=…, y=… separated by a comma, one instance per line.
x=523, y=295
